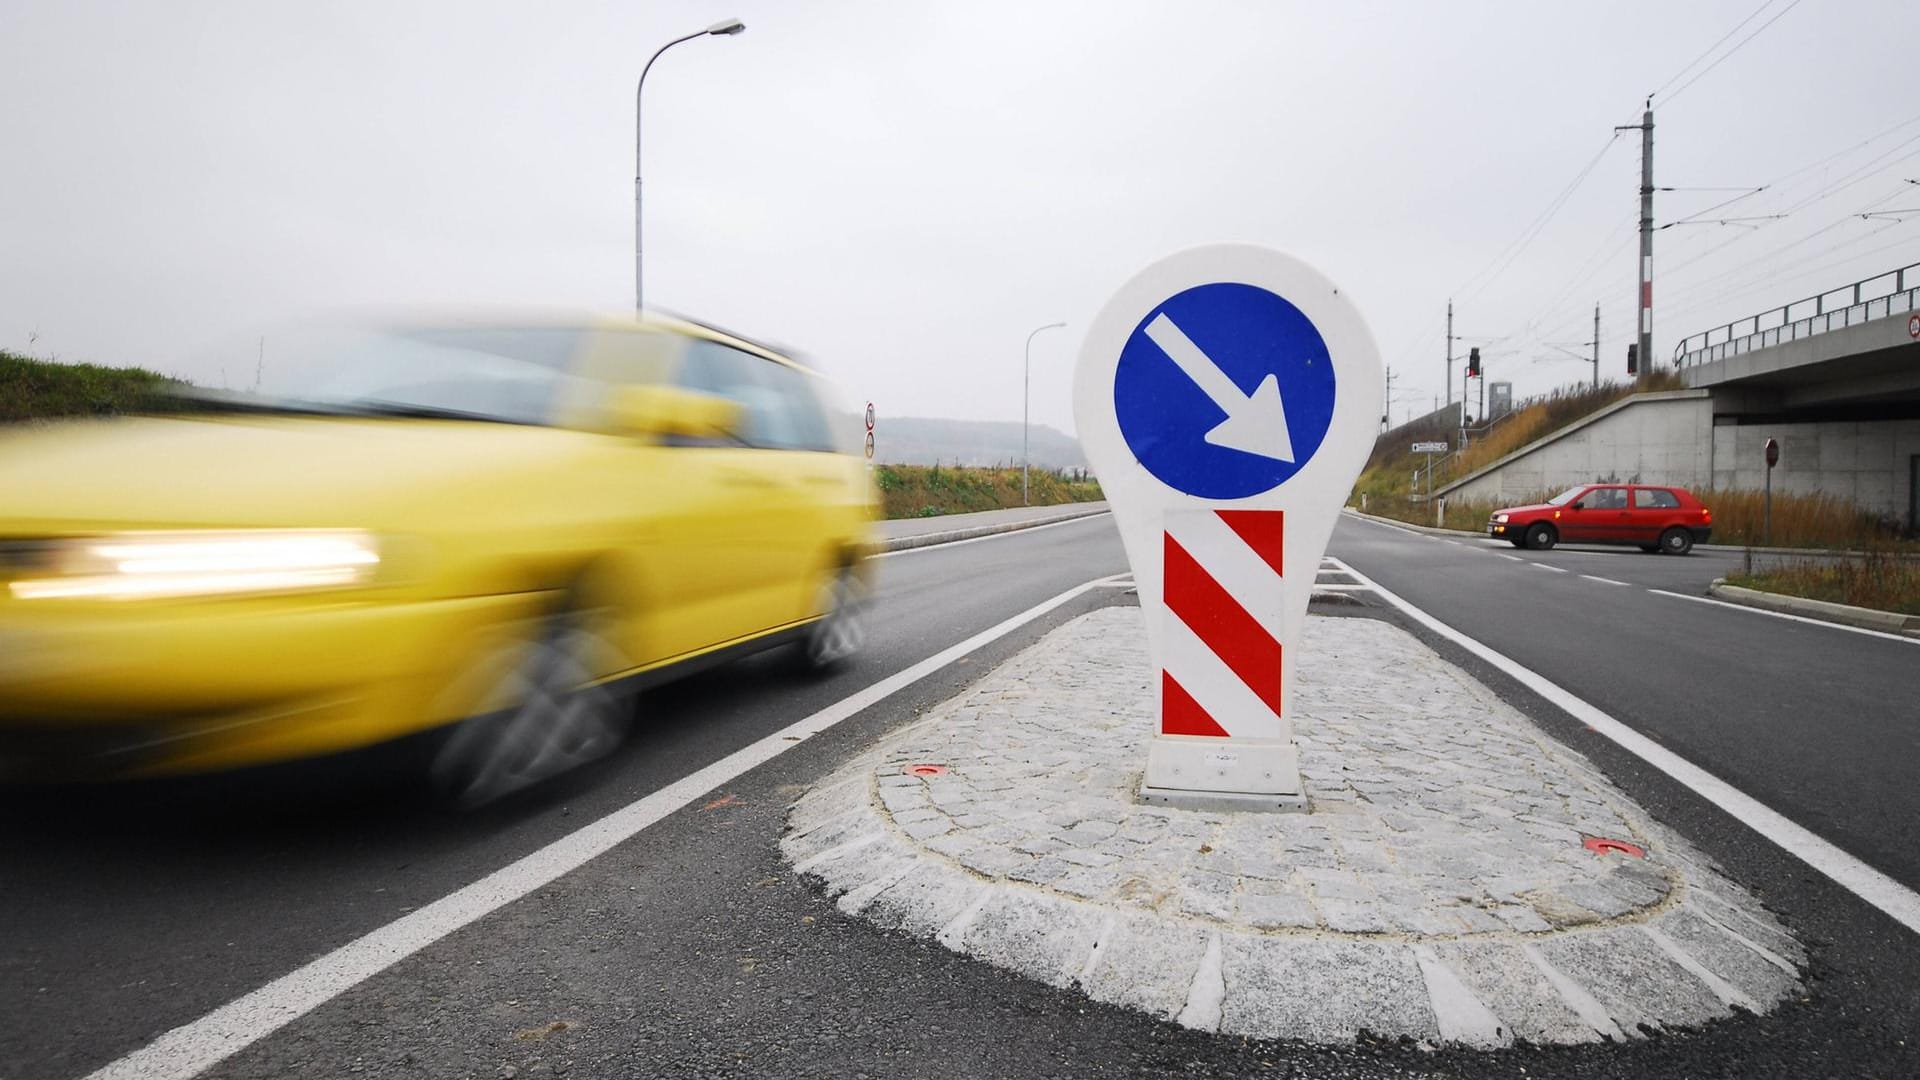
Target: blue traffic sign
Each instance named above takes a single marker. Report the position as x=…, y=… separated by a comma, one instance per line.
x=1224, y=391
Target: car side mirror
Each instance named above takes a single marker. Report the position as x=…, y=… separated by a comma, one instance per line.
x=662, y=412
x=1580, y=506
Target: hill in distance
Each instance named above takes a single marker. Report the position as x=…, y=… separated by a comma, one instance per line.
x=909, y=440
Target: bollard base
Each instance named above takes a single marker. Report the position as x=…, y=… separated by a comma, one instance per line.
x=1225, y=801
x=1219, y=774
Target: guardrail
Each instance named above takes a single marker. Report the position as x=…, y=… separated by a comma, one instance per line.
x=1862, y=303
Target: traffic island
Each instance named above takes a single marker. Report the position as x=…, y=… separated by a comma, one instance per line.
x=1461, y=878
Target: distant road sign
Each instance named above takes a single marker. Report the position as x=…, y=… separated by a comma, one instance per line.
x=1429, y=448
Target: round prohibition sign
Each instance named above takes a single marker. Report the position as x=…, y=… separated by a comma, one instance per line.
x=869, y=416
x=1913, y=326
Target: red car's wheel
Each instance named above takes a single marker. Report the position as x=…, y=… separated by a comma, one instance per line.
x=1676, y=541
x=1541, y=536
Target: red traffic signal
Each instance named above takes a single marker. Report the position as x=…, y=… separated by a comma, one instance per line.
x=1473, y=362
x=1633, y=359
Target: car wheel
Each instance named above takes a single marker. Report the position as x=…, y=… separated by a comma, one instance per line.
x=841, y=632
x=1540, y=536
x=543, y=716
x=1676, y=541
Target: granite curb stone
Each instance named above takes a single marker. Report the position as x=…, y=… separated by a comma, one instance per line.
x=1441, y=889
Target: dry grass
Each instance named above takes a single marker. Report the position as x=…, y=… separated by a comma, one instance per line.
x=1880, y=579
x=1392, y=464
x=33, y=389
x=1808, y=521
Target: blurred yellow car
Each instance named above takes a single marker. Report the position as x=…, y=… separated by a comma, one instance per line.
x=491, y=531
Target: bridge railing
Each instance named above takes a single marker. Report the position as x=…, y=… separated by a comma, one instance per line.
x=1895, y=292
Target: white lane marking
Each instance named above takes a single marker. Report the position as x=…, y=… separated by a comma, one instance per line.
x=1876, y=888
x=1396, y=528
x=198, y=1045
x=1602, y=580
x=1455, y=543
x=1555, y=569
x=1789, y=616
x=951, y=544
x=1510, y=558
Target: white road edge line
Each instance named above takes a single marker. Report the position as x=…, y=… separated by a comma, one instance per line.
x=1602, y=580
x=951, y=544
x=1789, y=616
x=1899, y=902
x=199, y=1045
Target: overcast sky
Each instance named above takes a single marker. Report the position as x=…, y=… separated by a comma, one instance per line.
x=903, y=190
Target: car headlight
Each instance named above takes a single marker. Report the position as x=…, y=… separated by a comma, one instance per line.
x=1501, y=518
x=135, y=566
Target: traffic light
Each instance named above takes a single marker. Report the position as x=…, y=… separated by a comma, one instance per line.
x=1633, y=359
x=1473, y=362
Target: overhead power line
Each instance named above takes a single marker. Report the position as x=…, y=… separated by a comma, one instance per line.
x=1669, y=99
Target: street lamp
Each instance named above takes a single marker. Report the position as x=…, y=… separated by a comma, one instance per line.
x=726, y=28
x=1026, y=380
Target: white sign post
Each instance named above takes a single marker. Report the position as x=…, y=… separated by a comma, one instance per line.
x=1227, y=397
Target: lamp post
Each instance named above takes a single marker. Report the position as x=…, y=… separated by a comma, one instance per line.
x=726, y=28
x=1026, y=381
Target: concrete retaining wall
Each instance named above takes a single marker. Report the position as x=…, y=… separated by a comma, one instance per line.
x=1660, y=438
x=1870, y=462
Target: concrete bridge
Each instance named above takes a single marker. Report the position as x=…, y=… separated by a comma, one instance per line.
x=1834, y=377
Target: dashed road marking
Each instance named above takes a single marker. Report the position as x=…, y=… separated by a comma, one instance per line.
x=1555, y=569
x=1602, y=580
x=1896, y=900
x=1513, y=558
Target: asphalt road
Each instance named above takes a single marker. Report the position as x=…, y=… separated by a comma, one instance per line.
x=690, y=950
x=1818, y=722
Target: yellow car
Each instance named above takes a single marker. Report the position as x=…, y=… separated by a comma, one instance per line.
x=492, y=531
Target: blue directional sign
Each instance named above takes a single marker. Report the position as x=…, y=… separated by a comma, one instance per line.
x=1224, y=391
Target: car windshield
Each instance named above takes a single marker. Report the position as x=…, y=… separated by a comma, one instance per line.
x=517, y=375
x=1566, y=496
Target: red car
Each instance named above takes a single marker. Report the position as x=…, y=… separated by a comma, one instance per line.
x=1655, y=518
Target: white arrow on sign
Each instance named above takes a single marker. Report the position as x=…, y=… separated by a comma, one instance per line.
x=1256, y=423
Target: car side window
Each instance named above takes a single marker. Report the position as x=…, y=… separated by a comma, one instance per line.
x=1607, y=499
x=779, y=411
x=803, y=422
x=1655, y=499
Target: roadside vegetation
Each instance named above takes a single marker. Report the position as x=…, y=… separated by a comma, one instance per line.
x=1882, y=579
x=48, y=390
x=910, y=491
x=1389, y=471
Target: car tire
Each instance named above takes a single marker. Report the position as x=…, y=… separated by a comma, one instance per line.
x=1676, y=541
x=837, y=636
x=1541, y=536
x=544, y=715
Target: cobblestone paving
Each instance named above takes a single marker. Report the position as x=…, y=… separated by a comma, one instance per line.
x=1441, y=888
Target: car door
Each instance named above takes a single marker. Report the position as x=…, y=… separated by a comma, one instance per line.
x=766, y=545
x=1603, y=514
x=678, y=550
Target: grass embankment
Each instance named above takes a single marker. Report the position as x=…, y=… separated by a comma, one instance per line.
x=1386, y=480
x=1880, y=579
x=927, y=490
x=45, y=390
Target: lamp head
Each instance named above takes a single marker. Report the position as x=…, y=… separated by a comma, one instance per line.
x=727, y=26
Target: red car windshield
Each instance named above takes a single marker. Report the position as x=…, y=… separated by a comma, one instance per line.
x=1566, y=496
